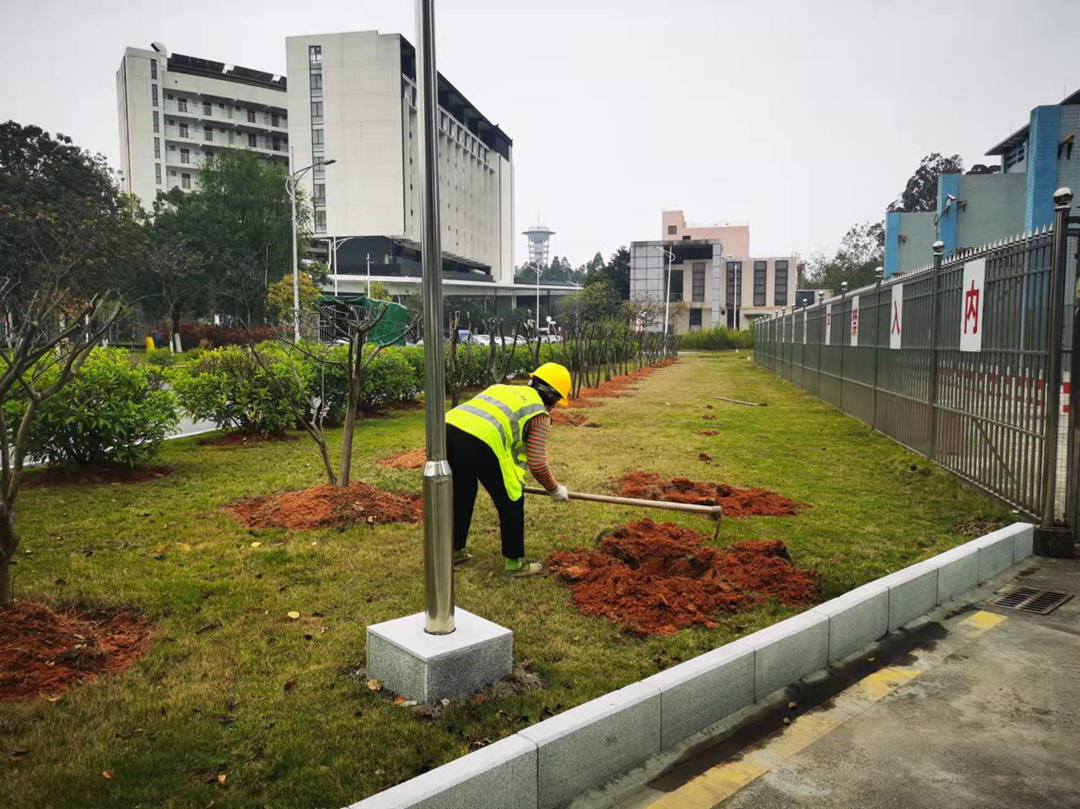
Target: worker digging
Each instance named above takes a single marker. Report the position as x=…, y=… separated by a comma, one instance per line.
x=491, y=439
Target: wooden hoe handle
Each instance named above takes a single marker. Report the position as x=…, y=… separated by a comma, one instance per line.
x=712, y=512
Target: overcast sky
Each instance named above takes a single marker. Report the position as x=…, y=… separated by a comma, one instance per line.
x=801, y=118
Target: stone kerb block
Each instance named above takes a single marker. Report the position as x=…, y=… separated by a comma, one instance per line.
x=912, y=591
x=588, y=745
x=856, y=619
x=996, y=551
x=500, y=775
x=789, y=650
x=958, y=571
x=704, y=690
x=1023, y=541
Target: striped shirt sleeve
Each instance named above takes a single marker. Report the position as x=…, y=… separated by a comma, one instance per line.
x=536, y=438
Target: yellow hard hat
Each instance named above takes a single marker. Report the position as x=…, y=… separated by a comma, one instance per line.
x=555, y=375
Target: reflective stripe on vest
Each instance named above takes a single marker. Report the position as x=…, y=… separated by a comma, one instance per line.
x=497, y=416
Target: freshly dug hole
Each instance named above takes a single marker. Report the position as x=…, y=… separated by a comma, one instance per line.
x=327, y=506
x=655, y=579
x=735, y=502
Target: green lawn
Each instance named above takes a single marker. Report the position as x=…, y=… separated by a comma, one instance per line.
x=215, y=701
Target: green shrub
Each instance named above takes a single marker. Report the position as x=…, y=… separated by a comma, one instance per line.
x=162, y=357
x=718, y=338
x=230, y=388
x=114, y=411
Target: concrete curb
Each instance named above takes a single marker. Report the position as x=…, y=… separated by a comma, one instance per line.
x=549, y=764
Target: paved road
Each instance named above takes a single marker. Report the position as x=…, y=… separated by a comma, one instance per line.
x=986, y=715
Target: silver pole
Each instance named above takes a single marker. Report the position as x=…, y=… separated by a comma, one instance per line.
x=536, y=267
x=290, y=185
x=1062, y=203
x=334, y=247
x=369, y=275
x=935, y=315
x=667, y=294
x=438, y=504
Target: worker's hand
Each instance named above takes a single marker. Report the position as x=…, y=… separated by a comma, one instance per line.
x=560, y=494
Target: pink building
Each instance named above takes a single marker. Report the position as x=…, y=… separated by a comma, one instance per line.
x=735, y=236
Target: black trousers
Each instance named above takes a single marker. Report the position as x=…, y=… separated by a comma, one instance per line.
x=472, y=461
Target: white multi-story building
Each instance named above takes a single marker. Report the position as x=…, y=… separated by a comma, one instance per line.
x=176, y=110
x=352, y=99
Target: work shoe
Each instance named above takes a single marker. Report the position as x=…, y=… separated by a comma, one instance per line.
x=523, y=569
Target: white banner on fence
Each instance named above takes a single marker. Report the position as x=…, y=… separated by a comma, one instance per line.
x=854, y=320
x=828, y=323
x=896, y=316
x=973, y=305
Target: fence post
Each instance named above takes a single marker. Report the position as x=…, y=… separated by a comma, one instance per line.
x=939, y=253
x=844, y=337
x=1052, y=380
x=821, y=341
x=879, y=275
x=1072, y=467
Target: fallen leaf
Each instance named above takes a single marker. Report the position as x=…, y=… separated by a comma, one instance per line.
x=289, y=685
x=106, y=774
x=221, y=778
x=374, y=685
x=185, y=547
x=55, y=699
x=787, y=721
x=19, y=753
x=255, y=544
x=293, y=614
x=791, y=705
x=159, y=548
x=399, y=700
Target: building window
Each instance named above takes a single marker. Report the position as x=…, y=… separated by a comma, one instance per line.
x=676, y=288
x=181, y=104
x=698, y=289
x=320, y=221
x=185, y=180
x=251, y=116
x=316, y=81
x=153, y=72
x=314, y=53
x=157, y=173
x=207, y=108
x=316, y=137
x=275, y=119
x=276, y=144
x=761, y=269
x=157, y=122
x=672, y=230
x=185, y=155
x=316, y=109
x=1015, y=155
x=157, y=148
x=780, y=291
x=208, y=133
x=695, y=320
x=153, y=94
x=253, y=141
x=319, y=193
x=183, y=130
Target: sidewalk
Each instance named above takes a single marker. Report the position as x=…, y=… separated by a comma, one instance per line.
x=982, y=712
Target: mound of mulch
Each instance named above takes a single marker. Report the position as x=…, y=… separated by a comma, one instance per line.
x=327, y=506
x=617, y=386
x=44, y=653
x=735, y=502
x=565, y=417
x=708, y=432
x=244, y=439
x=655, y=579
x=412, y=459
x=58, y=476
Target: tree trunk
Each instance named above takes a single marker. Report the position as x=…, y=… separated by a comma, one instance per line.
x=176, y=325
x=356, y=361
x=9, y=541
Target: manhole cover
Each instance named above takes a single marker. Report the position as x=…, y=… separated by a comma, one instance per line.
x=1027, y=599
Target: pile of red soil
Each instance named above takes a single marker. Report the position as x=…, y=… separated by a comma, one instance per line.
x=735, y=502
x=657, y=579
x=708, y=432
x=564, y=417
x=44, y=653
x=615, y=387
x=58, y=476
x=413, y=459
x=327, y=507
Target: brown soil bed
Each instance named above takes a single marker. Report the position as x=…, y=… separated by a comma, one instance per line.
x=327, y=506
x=58, y=476
x=412, y=459
x=735, y=502
x=617, y=386
x=708, y=432
x=44, y=653
x=244, y=439
x=655, y=579
x=566, y=417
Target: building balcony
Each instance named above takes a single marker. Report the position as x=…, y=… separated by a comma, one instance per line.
x=192, y=161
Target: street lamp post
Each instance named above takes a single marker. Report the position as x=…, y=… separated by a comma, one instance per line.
x=667, y=285
x=290, y=187
x=368, y=260
x=536, y=268
x=334, y=245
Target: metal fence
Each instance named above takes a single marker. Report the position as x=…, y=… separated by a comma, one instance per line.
x=968, y=362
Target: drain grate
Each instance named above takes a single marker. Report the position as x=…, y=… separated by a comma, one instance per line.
x=1028, y=599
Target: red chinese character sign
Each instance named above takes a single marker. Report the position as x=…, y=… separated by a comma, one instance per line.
x=896, y=316
x=973, y=306
x=855, y=320
x=828, y=323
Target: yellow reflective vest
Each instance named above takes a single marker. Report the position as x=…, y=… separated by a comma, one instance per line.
x=497, y=416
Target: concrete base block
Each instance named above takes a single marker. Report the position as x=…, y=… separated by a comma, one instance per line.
x=856, y=619
x=958, y=571
x=428, y=668
x=912, y=591
x=791, y=649
x=1023, y=542
x=704, y=690
x=586, y=746
x=494, y=777
x=996, y=551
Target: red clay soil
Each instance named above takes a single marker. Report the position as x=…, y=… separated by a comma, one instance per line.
x=617, y=386
x=655, y=579
x=243, y=439
x=327, y=506
x=44, y=653
x=708, y=432
x=413, y=459
x=57, y=476
x=559, y=416
x=735, y=502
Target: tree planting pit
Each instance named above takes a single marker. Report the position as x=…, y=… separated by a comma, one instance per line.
x=94, y=475
x=657, y=578
x=735, y=502
x=413, y=459
x=45, y=652
x=327, y=506
x=566, y=417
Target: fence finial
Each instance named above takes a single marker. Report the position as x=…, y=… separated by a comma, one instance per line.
x=938, y=247
x=1063, y=197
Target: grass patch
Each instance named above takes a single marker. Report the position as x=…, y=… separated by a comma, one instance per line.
x=232, y=686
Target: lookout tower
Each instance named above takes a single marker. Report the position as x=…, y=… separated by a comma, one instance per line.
x=539, y=236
